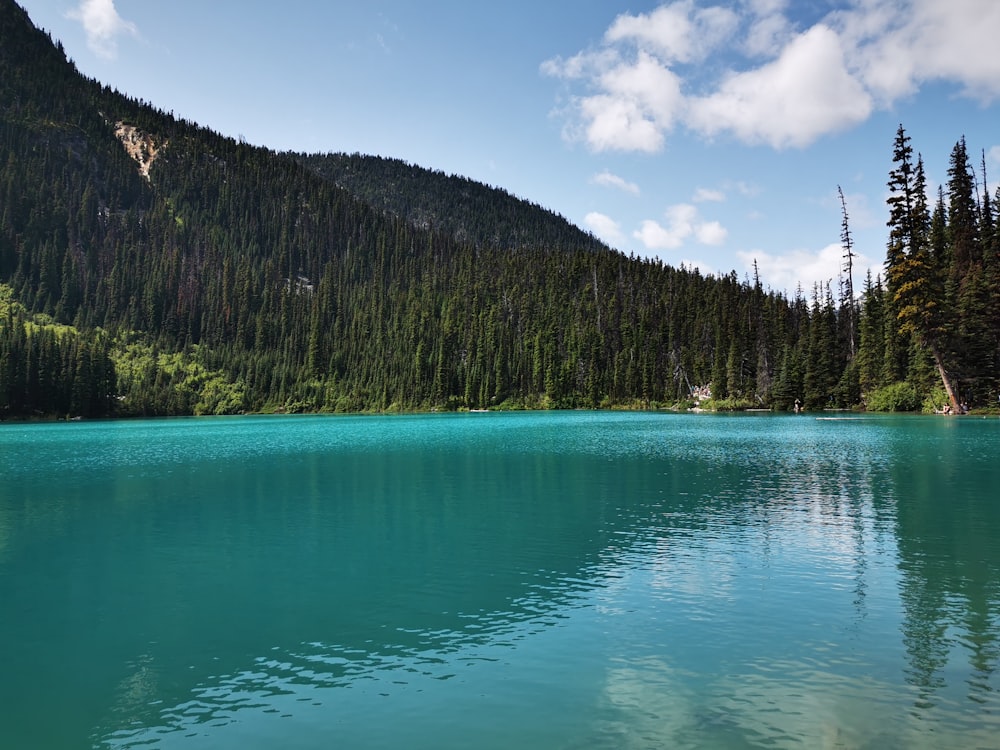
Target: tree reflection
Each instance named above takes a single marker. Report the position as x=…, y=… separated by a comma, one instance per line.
x=947, y=525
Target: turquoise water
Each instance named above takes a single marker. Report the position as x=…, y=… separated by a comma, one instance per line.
x=553, y=580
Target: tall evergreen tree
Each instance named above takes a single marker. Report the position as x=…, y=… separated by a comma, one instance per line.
x=968, y=282
x=871, y=337
x=914, y=302
x=963, y=211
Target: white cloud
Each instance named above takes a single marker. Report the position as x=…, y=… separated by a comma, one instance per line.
x=711, y=233
x=682, y=223
x=619, y=124
x=993, y=160
x=581, y=65
x=637, y=100
x=707, y=195
x=744, y=68
x=641, y=103
x=746, y=189
x=900, y=48
x=767, y=35
x=704, y=268
x=103, y=26
x=605, y=228
x=804, y=268
x=767, y=7
x=654, y=236
x=612, y=180
x=679, y=32
x=792, y=101
x=795, y=269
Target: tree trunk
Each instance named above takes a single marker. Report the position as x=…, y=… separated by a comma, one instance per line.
x=955, y=409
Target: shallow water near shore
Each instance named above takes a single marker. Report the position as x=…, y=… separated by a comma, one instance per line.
x=530, y=580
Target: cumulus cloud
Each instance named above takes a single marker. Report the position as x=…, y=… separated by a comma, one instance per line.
x=683, y=221
x=748, y=70
x=679, y=32
x=803, y=268
x=711, y=233
x=900, y=48
x=791, y=101
x=612, y=180
x=605, y=228
x=640, y=104
x=103, y=26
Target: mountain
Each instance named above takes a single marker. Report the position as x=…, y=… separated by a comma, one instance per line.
x=150, y=266
x=467, y=210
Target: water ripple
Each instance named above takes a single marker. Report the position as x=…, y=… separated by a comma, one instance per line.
x=573, y=580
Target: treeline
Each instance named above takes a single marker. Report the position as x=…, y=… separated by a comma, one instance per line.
x=50, y=369
x=237, y=279
x=926, y=335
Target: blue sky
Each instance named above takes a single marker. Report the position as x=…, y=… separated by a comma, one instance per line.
x=709, y=134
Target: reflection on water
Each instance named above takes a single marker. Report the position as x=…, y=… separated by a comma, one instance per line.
x=950, y=582
x=537, y=580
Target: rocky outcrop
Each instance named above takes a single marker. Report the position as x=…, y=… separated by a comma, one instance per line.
x=140, y=146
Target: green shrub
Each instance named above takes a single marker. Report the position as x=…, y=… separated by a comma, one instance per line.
x=731, y=403
x=896, y=397
x=936, y=401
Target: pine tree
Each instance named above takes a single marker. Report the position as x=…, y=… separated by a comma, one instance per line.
x=871, y=337
x=968, y=281
x=963, y=225
x=914, y=300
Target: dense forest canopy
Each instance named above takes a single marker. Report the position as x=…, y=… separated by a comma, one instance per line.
x=149, y=266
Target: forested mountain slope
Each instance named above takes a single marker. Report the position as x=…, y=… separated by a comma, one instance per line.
x=467, y=210
x=151, y=266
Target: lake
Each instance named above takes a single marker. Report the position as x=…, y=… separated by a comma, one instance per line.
x=525, y=580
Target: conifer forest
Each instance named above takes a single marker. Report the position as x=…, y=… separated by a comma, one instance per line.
x=149, y=266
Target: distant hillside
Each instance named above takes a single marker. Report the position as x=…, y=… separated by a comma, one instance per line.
x=467, y=210
x=149, y=265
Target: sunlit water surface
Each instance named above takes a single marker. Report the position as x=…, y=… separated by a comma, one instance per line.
x=556, y=580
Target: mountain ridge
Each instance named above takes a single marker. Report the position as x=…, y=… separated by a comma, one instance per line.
x=426, y=198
